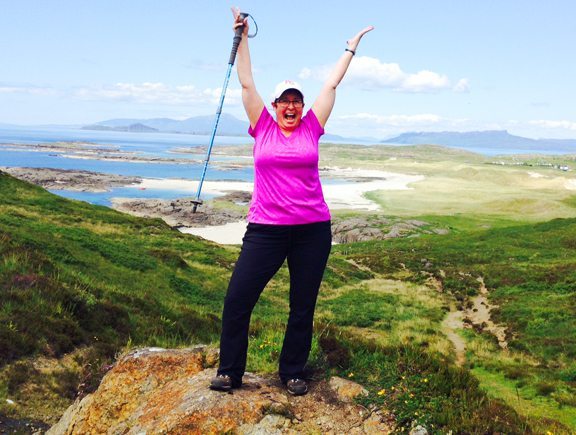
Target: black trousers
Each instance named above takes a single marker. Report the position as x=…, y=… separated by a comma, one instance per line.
x=264, y=249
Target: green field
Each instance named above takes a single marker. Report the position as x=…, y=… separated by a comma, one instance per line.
x=81, y=283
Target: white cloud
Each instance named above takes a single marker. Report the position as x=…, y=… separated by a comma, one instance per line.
x=158, y=93
x=370, y=73
x=306, y=73
x=376, y=125
x=29, y=90
x=425, y=81
x=566, y=125
x=462, y=86
x=394, y=120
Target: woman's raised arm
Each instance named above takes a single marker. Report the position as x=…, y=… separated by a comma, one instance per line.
x=324, y=103
x=253, y=103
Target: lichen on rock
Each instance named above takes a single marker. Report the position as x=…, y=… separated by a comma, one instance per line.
x=166, y=391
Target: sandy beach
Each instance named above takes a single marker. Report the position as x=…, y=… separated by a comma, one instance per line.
x=228, y=234
x=345, y=195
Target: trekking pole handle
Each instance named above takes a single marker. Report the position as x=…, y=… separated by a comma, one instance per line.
x=237, y=39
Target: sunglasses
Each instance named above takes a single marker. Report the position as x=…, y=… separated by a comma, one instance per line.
x=285, y=103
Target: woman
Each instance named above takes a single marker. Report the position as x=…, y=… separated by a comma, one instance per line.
x=288, y=219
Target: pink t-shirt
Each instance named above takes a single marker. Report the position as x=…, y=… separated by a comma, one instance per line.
x=287, y=189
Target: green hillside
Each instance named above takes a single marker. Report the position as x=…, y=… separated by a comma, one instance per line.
x=81, y=283
x=530, y=271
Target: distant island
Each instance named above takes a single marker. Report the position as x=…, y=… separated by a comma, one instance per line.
x=231, y=126
x=491, y=139
x=138, y=128
x=228, y=125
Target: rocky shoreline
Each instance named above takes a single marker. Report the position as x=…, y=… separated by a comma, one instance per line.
x=178, y=213
x=91, y=151
x=230, y=207
x=79, y=181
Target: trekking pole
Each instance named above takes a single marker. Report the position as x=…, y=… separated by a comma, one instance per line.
x=235, y=43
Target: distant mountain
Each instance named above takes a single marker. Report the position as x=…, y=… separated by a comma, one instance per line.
x=493, y=139
x=137, y=128
x=228, y=125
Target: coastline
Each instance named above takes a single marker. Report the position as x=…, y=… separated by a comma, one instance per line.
x=349, y=195
x=344, y=189
x=346, y=195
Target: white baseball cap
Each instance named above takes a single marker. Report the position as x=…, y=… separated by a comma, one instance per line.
x=284, y=85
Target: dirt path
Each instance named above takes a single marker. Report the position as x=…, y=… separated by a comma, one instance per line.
x=478, y=316
x=450, y=325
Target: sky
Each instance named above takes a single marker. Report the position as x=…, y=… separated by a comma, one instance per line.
x=429, y=65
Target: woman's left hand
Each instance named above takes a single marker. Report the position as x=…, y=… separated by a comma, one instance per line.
x=353, y=43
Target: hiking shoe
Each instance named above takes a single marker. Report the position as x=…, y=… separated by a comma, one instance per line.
x=221, y=383
x=297, y=387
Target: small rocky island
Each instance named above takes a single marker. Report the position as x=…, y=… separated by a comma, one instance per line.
x=79, y=181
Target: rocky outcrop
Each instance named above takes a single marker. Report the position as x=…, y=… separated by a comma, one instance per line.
x=165, y=391
x=365, y=228
x=177, y=213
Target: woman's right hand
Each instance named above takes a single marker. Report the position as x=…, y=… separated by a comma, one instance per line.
x=238, y=21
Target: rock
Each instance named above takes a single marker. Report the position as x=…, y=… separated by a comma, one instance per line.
x=238, y=197
x=416, y=223
x=83, y=181
x=346, y=390
x=374, y=227
x=269, y=425
x=375, y=425
x=177, y=213
x=441, y=231
x=358, y=235
x=418, y=430
x=394, y=233
x=166, y=391
x=357, y=229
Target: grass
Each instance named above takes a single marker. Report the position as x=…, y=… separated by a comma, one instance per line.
x=389, y=311
x=77, y=276
x=530, y=270
x=462, y=183
x=80, y=283
x=421, y=388
x=528, y=400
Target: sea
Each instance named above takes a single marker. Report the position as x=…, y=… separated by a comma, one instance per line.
x=141, y=144
x=145, y=145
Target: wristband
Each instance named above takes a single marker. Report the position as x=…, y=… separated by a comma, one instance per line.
x=351, y=51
